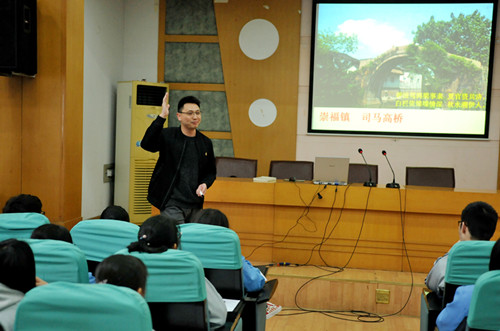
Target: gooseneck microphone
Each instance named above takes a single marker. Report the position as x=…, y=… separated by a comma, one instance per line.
x=393, y=184
x=369, y=182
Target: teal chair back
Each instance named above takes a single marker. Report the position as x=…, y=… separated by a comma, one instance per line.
x=57, y=260
x=175, y=290
x=62, y=306
x=467, y=260
x=219, y=250
x=484, y=310
x=20, y=225
x=100, y=238
x=216, y=246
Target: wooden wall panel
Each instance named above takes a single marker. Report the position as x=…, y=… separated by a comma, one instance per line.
x=10, y=136
x=274, y=78
x=42, y=111
x=41, y=117
x=72, y=135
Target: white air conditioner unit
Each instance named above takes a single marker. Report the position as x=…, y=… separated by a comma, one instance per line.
x=137, y=105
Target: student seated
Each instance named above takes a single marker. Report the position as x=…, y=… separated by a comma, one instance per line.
x=454, y=315
x=17, y=276
x=253, y=279
x=56, y=232
x=159, y=234
x=115, y=213
x=478, y=222
x=23, y=203
x=123, y=270
x=52, y=231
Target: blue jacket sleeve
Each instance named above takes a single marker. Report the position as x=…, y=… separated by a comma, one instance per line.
x=454, y=312
x=253, y=279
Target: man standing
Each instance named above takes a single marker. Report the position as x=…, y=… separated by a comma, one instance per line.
x=478, y=222
x=186, y=166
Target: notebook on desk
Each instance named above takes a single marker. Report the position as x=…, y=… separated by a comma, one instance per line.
x=331, y=170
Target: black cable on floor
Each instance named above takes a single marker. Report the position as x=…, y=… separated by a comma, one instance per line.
x=304, y=213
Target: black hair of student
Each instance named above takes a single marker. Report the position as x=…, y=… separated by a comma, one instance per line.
x=115, y=213
x=17, y=264
x=481, y=219
x=187, y=99
x=156, y=235
x=210, y=216
x=122, y=270
x=23, y=203
x=52, y=231
x=495, y=256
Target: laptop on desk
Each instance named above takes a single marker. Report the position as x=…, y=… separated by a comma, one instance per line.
x=331, y=170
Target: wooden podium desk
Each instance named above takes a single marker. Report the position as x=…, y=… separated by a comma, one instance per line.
x=355, y=225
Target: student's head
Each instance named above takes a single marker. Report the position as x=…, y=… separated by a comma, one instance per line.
x=478, y=221
x=17, y=265
x=123, y=270
x=52, y=231
x=23, y=203
x=156, y=235
x=211, y=216
x=115, y=213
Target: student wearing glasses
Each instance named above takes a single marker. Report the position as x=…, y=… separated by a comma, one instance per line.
x=186, y=166
x=478, y=222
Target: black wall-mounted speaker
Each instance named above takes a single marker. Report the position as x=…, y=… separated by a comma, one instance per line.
x=18, y=37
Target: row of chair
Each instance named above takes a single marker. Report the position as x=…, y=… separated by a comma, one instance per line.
x=358, y=173
x=67, y=302
x=175, y=289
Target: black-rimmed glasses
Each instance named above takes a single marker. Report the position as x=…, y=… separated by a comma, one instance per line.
x=191, y=113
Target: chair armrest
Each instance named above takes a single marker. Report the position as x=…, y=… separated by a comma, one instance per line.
x=430, y=307
x=434, y=302
x=263, y=269
x=265, y=294
x=233, y=318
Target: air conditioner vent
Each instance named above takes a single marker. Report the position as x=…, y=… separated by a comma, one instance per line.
x=148, y=95
x=143, y=170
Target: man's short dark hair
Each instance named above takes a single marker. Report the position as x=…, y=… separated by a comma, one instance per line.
x=210, y=216
x=187, y=99
x=122, y=270
x=52, y=231
x=23, y=203
x=481, y=219
x=115, y=213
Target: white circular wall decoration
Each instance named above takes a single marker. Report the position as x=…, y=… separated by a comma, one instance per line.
x=259, y=39
x=262, y=112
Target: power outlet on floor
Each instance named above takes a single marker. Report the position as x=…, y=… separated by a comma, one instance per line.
x=382, y=296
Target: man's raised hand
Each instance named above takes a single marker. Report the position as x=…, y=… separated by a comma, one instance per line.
x=165, y=107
